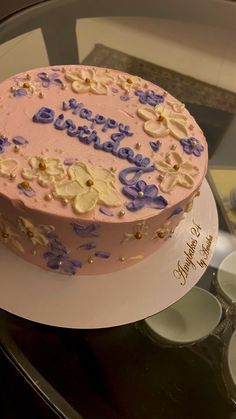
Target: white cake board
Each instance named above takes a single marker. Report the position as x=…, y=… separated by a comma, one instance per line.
x=113, y=299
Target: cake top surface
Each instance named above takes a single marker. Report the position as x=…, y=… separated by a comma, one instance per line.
x=96, y=144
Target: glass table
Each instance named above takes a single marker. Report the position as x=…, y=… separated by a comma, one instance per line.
x=122, y=372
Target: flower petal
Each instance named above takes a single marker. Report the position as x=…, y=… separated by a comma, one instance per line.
x=141, y=185
x=28, y=174
x=87, y=73
x=86, y=201
x=164, y=167
x=178, y=129
x=7, y=167
x=98, y=88
x=100, y=173
x=107, y=194
x=44, y=179
x=72, y=75
x=151, y=191
x=185, y=180
x=189, y=169
x=156, y=128
x=136, y=204
x=34, y=162
x=68, y=189
x=80, y=87
x=147, y=113
x=130, y=191
x=169, y=181
x=174, y=158
x=54, y=167
x=79, y=172
x=17, y=245
x=158, y=202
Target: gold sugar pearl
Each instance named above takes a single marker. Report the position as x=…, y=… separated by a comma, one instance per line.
x=30, y=234
x=87, y=81
x=28, y=76
x=173, y=147
x=16, y=148
x=160, y=177
x=140, y=194
x=65, y=201
x=89, y=182
x=63, y=86
x=25, y=184
x=121, y=213
x=48, y=197
x=172, y=231
x=5, y=235
x=90, y=260
x=60, y=263
x=41, y=95
x=198, y=193
x=129, y=81
x=137, y=146
x=113, y=169
x=161, y=234
x=34, y=252
x=12, y=176
x=160, y=118
x=176, y=167
x=191, y=127
x=194, y=143
x=138, y=235
x=122, y=259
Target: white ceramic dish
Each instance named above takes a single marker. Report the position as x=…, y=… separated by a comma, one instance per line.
x=190, y=319
x=113, y=299
x=226, y=277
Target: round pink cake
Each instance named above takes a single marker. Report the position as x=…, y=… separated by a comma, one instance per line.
x=97, y=167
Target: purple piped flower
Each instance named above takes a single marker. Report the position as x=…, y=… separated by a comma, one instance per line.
x=88, y=246
x=58, y=256
x=26, y=189
x=20, y=92
x=88, y=230
x=124, y=98
x=48, y=79
x=18, y=140
x=192, y=146
x=106, y=211
x=155, y=145
x=3, y=143
x=149, y=96
x=102, y=255
x=143, y=195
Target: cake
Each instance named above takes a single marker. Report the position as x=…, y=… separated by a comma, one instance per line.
x=97, y=167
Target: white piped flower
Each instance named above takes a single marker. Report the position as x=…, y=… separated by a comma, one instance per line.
x=35, y=233
x=89, y=80
x=176, y=172
x=88, y=187
x=7, y=235
x=128, y=82
x=45, y=170
x=7, y=167
x=161, y=121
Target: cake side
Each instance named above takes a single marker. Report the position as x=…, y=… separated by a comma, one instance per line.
x=100, y=165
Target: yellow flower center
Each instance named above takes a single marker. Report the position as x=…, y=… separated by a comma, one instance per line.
x=89, y=182
x=138, y=235
x=176, y=167
x=26, y=85
x=140, y=194
x=42, y=166
x=5, y=235
x=30, y=233
x=129, y=81
x=160, y=118
x=88, y=81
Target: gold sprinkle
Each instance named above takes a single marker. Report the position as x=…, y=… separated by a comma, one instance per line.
x=28, y=76
x=90, y=260
x=12, y=89
x=30, y=234
x=122, y=259
x=60, y=263
x=113, y=169
x=172, y=231
x=48, y=197
x=63, y=86
x=138, y=235
x=41, y=95
x=121, y=213
x=26, y=85
x=34, y=252
x=160, y=118
x=137, y=146
x=88, y=81
x=160, y=177
x=16, y=148
x=12, y=176
x=129, y=81
x=89, y=182
x=173, y=147
x=161, y=234
x=198, y=193
x=164, y=93
x=191, y=127
x=140, y=194
x=194, y=143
